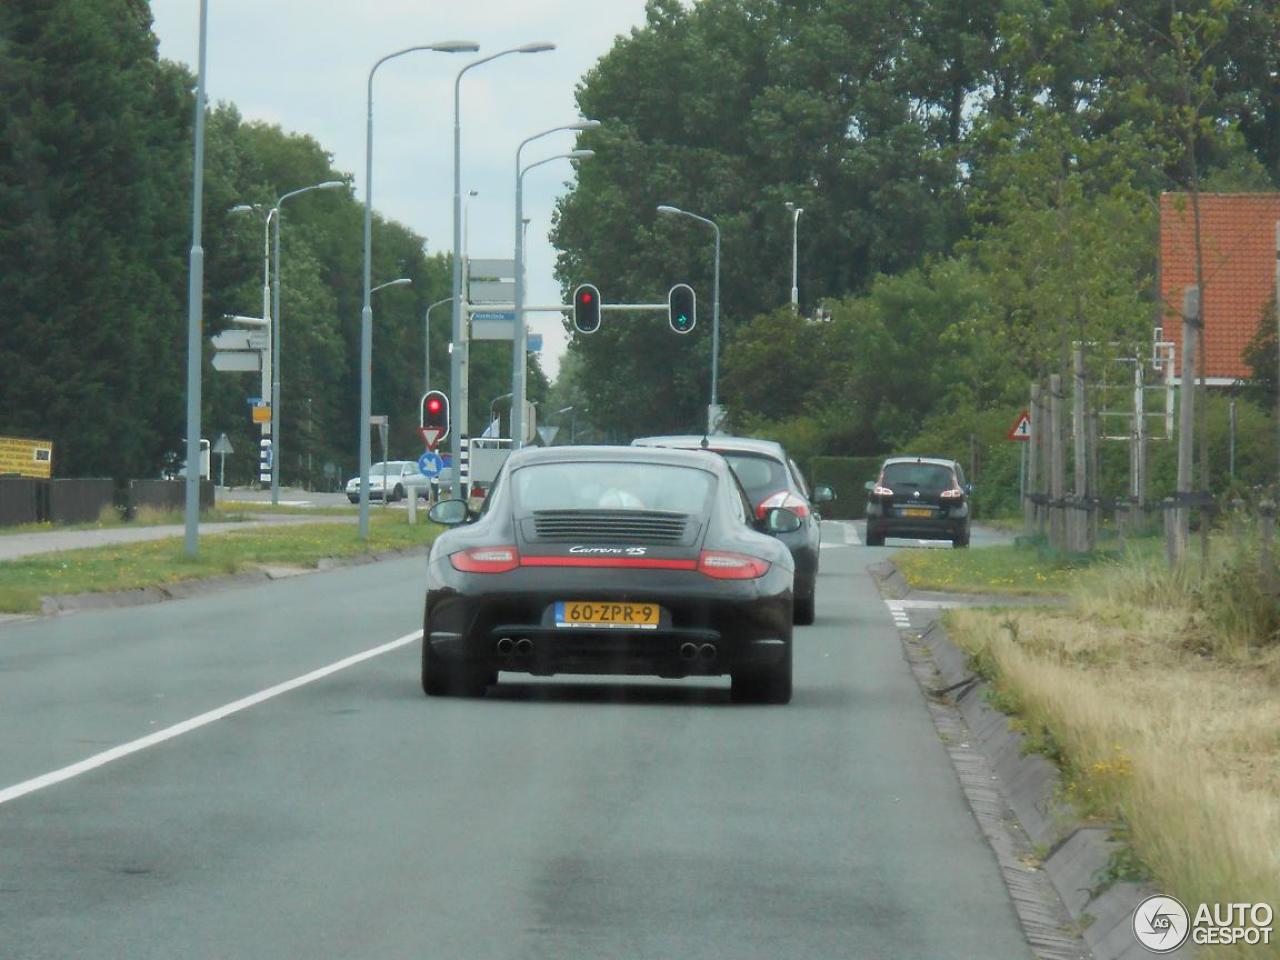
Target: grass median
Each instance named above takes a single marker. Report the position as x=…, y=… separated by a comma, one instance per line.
x=159, y=562
x=1157, y=692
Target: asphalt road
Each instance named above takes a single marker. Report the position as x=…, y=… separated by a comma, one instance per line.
x=348, y=816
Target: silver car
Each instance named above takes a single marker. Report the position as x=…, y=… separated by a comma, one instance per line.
x=401, y=478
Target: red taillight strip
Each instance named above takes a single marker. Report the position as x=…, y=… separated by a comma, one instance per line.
x=731, y=566
x=649, y=563
x=485, y=560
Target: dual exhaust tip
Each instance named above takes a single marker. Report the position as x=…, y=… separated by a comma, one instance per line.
x=693, y=651
x=521, y=648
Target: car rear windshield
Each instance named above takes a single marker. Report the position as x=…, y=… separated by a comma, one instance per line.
x=922, y=476
x=760, y=476
x=612, y=486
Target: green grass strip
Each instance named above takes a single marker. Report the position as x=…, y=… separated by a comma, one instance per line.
x=156, y=563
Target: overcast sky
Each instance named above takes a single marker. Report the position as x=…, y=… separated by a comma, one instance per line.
x=304, y=64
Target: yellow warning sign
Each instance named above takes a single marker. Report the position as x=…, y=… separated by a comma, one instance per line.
x=27, y=458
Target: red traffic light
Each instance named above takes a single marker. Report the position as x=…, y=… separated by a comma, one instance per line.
x=434, y=405
x=435, y=414
x=586, y=308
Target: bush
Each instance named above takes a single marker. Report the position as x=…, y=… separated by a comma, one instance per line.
x=846, y=476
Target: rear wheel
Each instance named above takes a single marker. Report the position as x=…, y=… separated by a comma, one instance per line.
x=961, y=539
x=875, y=538
x=398, y=493
x=767, y=685
x=440, y=678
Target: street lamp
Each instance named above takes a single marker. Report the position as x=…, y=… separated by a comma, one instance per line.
x=573, y=422
x=426, y=339
x=401, y=282
x=519, y=347
x=458, y=351
x=276, y=331
x=195, y=303
x=265, y=375
x=366, y=311
x=493, y=405
x=795, y=221
x=713, y=410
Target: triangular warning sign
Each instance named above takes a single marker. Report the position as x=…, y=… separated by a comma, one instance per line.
x=1021, y=429
x=430, y=436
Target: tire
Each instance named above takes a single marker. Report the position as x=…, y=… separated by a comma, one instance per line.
x=443, y=679
x=770, y=685
x=397, y=494
x=960, y=541
x=803, y=611
x=874, y=539
x=355, y=499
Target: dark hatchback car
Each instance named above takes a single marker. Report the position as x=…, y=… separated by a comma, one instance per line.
x=771, y=479
x=918, y=497
x=610, y=560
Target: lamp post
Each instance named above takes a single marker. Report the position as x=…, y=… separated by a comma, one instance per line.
x=401, y=282
x=366, y=311
x=265, y=375
x=520, y=341
x=276, y=331
x=715, y=308
x=493, y=405
x=795, y=228
x=195, y=305
x=458, y=350
x=426, y=338
x=573, y=422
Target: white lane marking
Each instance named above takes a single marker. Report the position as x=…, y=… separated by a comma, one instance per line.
x=195, y=723
x=901, y=618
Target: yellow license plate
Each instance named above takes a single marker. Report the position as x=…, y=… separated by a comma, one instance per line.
x=594, y=613
x=917, y=512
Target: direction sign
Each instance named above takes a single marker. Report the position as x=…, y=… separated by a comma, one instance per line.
x=237, y=361
x=497, y=269
x=231, y=340
x=534, y=342
x=493, y=326
x=1021, y=429
x=430, y=464
x=491, y=291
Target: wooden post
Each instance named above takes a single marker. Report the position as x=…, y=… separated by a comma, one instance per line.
x=1095, y=483
x=1078, y=519
x=1138, y=484
x=1028, y=507
x=1057, y=466
x=1266, y=531
x=1186, y=413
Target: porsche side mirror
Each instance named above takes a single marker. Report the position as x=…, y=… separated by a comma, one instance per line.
x=450, y=513
x=780, y=520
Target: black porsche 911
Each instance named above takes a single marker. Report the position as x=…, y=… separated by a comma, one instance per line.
x=610, y=560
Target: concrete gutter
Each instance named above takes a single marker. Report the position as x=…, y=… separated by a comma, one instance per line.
x=1015, y=797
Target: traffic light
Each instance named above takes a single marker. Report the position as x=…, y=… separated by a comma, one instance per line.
x=682, y=308
x=586, y=308
x=435, y=413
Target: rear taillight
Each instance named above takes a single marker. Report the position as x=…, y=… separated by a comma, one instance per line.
x=955, y=493
x=783, y=498
x=731, y=566
x=485, y=559
x=879, y=491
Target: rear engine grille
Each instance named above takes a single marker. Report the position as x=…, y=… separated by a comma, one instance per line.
x=609, y=526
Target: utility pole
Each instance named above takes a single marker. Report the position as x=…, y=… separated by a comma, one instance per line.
x=1077, y=523
x=1028, y=505
x=1057, y=464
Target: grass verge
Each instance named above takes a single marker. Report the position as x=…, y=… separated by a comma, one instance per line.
x=1008, y=569
x=130, y=566
x=146, y=517
x=1158, y=693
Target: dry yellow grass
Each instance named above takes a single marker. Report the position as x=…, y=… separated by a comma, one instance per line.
x=1176, y=734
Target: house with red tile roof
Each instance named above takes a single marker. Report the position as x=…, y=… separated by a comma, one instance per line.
x=1238, y=236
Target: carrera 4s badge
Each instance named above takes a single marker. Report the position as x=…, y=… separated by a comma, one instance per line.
x=610, y=551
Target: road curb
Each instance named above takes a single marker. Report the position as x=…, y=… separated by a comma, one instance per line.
x=1015, y=796
x=60, y=604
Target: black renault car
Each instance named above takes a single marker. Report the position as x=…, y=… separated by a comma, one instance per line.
x=610, y=560
x=771, y=479
x=920, y=497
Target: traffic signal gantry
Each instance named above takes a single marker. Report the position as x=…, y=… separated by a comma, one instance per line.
x=681, y=308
